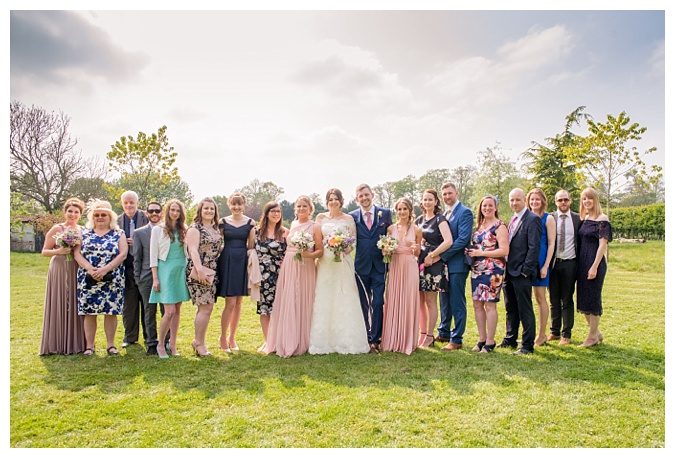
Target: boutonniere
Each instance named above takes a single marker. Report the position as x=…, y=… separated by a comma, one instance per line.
x=379, y=214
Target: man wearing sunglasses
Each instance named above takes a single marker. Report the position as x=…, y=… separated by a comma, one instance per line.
x=563, y=269
x=143, y=275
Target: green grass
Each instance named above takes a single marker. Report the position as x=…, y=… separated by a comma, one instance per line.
x=612, y=395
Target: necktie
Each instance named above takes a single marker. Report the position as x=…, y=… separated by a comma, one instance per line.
x=562, y=234
x=132, y=226
x=512, y=225
x=447, y=214
x=369, y=220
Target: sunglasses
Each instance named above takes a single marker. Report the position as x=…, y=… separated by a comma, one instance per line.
x=155, y=210
x=562, y=200
x=100, y=215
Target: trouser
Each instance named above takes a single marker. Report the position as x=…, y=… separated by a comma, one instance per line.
x=133, y=308
x=150, y=315
x=518, y=304
x=561, y=291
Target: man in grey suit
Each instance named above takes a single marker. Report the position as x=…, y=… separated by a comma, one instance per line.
x=133, y=305
x=143, y=275
x=564, y=269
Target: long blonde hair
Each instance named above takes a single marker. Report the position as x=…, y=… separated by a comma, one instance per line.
x=597, y=208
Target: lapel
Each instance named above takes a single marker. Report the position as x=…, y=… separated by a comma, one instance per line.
x=376, y=220
x=520, y=223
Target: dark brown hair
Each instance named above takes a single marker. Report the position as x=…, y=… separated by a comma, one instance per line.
x=265, y=221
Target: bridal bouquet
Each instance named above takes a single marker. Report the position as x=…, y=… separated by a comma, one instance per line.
x=388, y=245
x=302, y=241
x=68, y=238
x=339, y=242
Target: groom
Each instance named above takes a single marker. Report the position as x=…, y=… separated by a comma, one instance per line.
x=371, y=222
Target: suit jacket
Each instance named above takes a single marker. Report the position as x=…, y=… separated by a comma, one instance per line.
x=576, y=222
x=461, y=228
x=368, y=255
x=141, y=252
x=524, y=247
x=141, y=220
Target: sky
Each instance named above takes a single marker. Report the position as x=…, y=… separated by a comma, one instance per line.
x=312, y=100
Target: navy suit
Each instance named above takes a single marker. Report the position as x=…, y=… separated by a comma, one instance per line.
x=522, y=266
x=453, y=300
x=370, y=269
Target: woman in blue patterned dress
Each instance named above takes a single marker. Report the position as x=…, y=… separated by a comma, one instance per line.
x=489, y=251
x=167, y=263
x=537, y=203
x=270, y=246
x=100, y=278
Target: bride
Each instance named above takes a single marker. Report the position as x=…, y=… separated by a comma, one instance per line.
x=337, y=322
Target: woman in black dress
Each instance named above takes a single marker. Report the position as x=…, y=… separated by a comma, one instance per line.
x=594, y=234
x=436, y=238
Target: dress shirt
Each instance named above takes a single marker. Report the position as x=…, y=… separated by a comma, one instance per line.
x=570, y=248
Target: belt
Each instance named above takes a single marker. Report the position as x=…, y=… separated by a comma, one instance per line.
x=565, y=260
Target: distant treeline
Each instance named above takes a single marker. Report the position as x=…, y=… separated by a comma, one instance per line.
x=644, y=222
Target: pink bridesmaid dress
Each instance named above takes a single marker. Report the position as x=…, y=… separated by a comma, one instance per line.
x=292, y=310
x=402, y=299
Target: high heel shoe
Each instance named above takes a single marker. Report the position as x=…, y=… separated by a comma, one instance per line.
x=488, y=348
x=589, y=343
x=479, y=346
x=197, y=352
x=600, y=337
x=426, y=339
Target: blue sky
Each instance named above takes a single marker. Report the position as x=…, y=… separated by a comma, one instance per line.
x=318, y=99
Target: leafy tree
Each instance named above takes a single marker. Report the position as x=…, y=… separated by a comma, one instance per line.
x=146, y=166
x=43, y=160
x=433, y=179
x=463, y=177
x=549, y=165
x=287, y=211
x=385, y=194
x=609, y=154
x=407, y=187
x=257, y=194
x=221, y=203
x=497, y=175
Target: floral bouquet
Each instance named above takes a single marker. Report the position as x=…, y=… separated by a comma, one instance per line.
x=388, y=245
x=302, y=241
x=68, y=238
x=339, y=242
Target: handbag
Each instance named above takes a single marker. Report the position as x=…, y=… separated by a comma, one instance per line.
x=92, y=281
x=210, y=275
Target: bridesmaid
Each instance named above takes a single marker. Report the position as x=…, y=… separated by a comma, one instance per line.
x=62, y=328
x=490, y=248
x=594, y=234
x=167, y=263
x=238, y=238
x=270, y=246
x=204, y=242
x=537, y=203
x=402, y=300
x=433, y=272
x=289, y=327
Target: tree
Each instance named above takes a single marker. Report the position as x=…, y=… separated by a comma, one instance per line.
x=463, y=178
x=146, y=166
x=608, y=155
x=384, y=194
x=433, y=179
x=258, y=194
x=43, y=160
x=549, y=165
x=497, y=176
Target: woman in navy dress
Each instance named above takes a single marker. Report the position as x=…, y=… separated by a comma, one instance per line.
x=537, y=203
x=594, y=234
x=238, y=237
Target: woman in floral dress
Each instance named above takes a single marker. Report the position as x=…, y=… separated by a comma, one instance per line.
x=490, y=247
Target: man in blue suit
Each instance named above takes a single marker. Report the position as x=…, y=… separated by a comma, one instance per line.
x=453, y=300
x=371, y=222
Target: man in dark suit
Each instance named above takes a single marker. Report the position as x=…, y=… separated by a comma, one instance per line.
x=371, y=222
x=564, y=269
x=453, y=299
x=133, y=305
x=143, y=275
x=522, y=266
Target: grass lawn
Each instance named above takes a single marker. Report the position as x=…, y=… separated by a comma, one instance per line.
x=612, y=395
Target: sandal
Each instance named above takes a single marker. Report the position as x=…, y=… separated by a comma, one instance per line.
x=112, y=350
x=479, y=346
x=488, y=348
x=88, y=352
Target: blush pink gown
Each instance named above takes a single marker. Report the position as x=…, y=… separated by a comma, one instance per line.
x=292, y=310
x=402, y=298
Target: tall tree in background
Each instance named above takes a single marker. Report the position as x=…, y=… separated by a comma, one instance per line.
x=464, y=179
x=497, y=175
x=146, y=166
x=549, y=165
x=433, y=179
x=257, y=194
x=385, y=194
x=608, y=155
x=43, y=161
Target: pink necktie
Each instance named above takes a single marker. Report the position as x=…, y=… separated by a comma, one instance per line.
x=512, y=224
x=369, y=221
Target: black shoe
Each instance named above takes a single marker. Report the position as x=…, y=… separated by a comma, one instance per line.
x=442, y=339
x=522, y=351
x=505, y=344
x=152, y=350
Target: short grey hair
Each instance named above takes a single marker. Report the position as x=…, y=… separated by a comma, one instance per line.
x=129, y=194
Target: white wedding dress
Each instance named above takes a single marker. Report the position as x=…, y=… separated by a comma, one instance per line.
x=337, y=321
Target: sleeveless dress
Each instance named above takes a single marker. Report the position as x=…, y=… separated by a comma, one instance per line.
x=589, y=292
x=337, y=320
x=402, y=299
x=209, y=249
x=434, y=277
x=288, y=333
x=270, y=256
x=487, y=274
x=233, y=260
x=543, y=251
x=104, y=297
x=62, y=327
x=171, y=274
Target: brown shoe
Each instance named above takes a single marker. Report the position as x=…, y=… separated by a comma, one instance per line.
x=565, y=341
x=373, y=349
x=553, y=337
x=452, y=346
x=442, y=339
